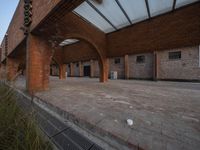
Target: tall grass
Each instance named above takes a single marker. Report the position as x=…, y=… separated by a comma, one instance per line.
x=18, y=130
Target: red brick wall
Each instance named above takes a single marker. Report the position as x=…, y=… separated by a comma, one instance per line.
x=80, y=51
x=3, y=72
x=178, y=29
x=41, y=8
x=11, y=68
x=2, y=49
x=186, y=68
x=169, y=31
x=15, y=35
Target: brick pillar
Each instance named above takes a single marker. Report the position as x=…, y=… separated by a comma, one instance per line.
x=62, y=71
x=155, y=65
x=39, y=56
x=11, y=68
x=3, y=72
x=80, y=69
x=103, y=66
x=126, y=67
x=0, y=55
x=91, y=69
x=199, y=55
x=71, y=69
x=0, y=67
x=108, y=67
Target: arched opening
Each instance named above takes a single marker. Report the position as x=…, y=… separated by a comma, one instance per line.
x=54, y=68
x=102, y=60
x=40, y=54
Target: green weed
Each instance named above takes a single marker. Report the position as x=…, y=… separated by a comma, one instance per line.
x=18, y=130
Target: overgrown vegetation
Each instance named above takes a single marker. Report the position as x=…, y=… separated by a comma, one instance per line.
x=18, y=130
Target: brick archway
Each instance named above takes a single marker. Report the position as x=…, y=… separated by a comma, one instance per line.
x=101, y=51
x=62, y=67
x=39, y=56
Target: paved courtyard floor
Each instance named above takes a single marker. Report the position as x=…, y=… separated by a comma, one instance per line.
x=166, y=115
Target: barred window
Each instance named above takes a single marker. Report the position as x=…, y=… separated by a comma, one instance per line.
x=117, y=60
x=174, y=55
x=140, y=59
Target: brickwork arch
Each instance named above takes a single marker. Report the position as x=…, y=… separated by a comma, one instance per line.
x=101, y=51
x=56, y=61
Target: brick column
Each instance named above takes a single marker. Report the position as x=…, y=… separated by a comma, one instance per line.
x=71, y=69
x=0, y=67
x=11, y=68
x=126, y=67
x=3, y=72
x=91, y=68
x=199, y=55
x=103, y=66
x=0, y=55
x=80, y=69
x=155, y=65
x=39, y=56
x=62, y=71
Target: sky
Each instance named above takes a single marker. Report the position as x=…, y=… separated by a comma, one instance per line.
x=7, y=9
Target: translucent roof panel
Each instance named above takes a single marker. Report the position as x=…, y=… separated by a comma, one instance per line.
x=111, y=10
x=158, y=7
x=180, y=3
x=135, y=9
x=89, y=14
x=68, y=42
x=111, y=15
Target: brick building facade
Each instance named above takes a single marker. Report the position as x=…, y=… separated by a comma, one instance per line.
x=141, y=66
x=187, y=67
x=139, y=50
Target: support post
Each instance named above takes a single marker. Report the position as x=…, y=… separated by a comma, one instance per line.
x=126, y=67
x=91, y=68
x=71, y=69
x=3, y=75
x=80, y=69
x=39, y=56
x=11, y=68
x=155, y=65
x=62, y=71
x=103, y=65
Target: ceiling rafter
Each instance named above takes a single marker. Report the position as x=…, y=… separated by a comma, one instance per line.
x=124, y=12
x=148, y=9
x=174, y=5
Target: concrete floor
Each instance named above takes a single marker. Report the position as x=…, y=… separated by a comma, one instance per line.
x=166, y=115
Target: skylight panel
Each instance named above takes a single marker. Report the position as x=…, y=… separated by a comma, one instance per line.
x=111, y=15
x=158, y=7
x=68, y=42
x=112, y=12
x=180, y=3
x=135, y=9
x=89, y=14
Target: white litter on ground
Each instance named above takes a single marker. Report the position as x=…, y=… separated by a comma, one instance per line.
x=129, y=122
